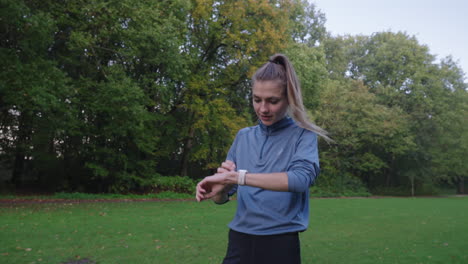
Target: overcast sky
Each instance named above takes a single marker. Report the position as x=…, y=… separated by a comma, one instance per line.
x=441, y=25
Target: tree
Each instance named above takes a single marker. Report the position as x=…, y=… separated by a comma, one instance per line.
x=105, y=96
x=369, y=137
x=449, y=161
x=125, y=61
x=308, y=23
x=403, y=75
x=89, y=77
x=225, y=43
x=309, y=63
x=32, y=90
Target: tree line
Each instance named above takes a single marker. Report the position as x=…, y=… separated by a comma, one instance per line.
x=107, y=96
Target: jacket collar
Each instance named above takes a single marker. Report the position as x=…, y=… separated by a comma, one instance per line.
x=278, y=126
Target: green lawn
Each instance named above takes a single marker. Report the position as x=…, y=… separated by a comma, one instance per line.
x=360, y=230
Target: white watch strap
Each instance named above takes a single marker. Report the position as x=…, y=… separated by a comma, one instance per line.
x=241, y=178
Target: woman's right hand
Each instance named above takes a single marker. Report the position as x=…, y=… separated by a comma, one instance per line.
x=227, y=166
x=222, y=196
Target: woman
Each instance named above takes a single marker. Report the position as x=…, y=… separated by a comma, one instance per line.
x=271, y=166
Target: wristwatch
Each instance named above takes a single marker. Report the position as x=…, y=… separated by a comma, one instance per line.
x=241, y=178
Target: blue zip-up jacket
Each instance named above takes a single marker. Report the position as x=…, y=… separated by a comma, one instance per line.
x=281, y=147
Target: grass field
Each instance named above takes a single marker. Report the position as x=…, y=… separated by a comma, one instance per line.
x=360, y=230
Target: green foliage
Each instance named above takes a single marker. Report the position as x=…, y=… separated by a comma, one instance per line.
x=368, y=136
x=33, y=90
x=320, y=192
x=342, y=191
x=333, y=184
x=309, y=64
x=449, y=161
x=100, y=96
x=106, y=96
x=418, y=94
x=175, y=184
x=227, y=41
x=308, y=23
x=114, y=196
x=423, y=189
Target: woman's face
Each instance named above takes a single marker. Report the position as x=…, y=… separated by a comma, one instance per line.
x=269, y=101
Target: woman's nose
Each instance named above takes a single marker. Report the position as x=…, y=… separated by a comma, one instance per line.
x=264, y=108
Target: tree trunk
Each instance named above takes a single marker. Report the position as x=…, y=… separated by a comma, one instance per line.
x=389, y=172
x=24, y=133
x=185, y=155
x=412, y=185
x=388, y=179
x=18, y=170
x=461, y=186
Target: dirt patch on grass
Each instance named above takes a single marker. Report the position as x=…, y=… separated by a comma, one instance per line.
x=79, y=261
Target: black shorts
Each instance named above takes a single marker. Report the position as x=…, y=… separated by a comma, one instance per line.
x=271, y=249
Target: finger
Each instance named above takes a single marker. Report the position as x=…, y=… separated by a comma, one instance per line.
x=222, y=170
x=199, y=196
x=200, y=187
x=201, y=190
x=225, y=167
x=209, y=195
x=229, y=165
x=202, y=198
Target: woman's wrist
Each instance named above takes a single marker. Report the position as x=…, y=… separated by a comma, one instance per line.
x=232, y=177
x=223, y=196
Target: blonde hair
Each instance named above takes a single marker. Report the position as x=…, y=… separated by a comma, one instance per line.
x=279, y=68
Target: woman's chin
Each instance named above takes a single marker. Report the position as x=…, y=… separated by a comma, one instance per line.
x=267, y=121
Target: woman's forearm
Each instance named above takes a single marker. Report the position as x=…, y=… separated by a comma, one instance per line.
x=277, y=181
x=215, y=187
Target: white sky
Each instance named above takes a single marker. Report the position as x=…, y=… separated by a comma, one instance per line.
x=441, y=25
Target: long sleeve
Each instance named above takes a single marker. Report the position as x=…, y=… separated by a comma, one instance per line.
x=304, y=166
x=232, y=157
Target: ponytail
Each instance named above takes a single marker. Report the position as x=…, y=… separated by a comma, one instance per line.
x=279, y=68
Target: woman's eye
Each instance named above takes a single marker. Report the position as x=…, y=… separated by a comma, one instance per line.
x=257, y=100
x=274, y=102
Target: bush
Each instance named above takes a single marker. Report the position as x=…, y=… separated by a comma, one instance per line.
x=392, y=191
x=176, y=184
x=423, y=189
x=345, y=185
x=318, y=191
x=155, y=183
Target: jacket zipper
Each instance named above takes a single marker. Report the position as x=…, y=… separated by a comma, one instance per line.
x=264, y=142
